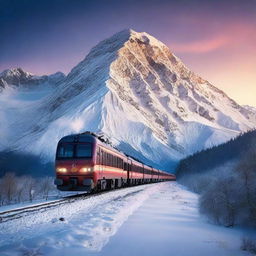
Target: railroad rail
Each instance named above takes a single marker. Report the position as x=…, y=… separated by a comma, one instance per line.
x=19, y=212
x=23, y=211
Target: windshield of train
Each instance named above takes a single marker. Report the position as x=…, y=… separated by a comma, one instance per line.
x=68, y=150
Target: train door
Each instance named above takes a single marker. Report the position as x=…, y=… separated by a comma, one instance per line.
x=143, y=173
x=129, y=171
x=101, y=164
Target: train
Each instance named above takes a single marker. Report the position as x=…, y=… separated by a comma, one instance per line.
x=85, y=162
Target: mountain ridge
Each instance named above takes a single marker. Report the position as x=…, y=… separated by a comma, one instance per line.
x=133, y=89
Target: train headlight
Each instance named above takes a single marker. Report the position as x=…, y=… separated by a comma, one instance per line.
x=61, y=169
x=87, y=169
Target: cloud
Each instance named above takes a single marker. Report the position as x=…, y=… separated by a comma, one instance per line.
x=231, y=36
x=201, y=46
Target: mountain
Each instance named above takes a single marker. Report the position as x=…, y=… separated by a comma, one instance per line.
x=135, y=91
x=19, y=78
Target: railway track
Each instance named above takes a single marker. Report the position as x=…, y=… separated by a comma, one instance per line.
x=20, y=212
x=41, y=207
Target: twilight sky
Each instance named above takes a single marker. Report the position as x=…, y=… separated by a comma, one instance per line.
x=216, y=39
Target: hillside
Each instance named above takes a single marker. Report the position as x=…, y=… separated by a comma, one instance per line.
x=208, y=159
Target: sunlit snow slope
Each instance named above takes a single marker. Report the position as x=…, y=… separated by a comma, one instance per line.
x=134, y=90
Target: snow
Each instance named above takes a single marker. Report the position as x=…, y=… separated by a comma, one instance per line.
x=250, y=108
x=54, y=196
x=168, y=223
x=156, y=219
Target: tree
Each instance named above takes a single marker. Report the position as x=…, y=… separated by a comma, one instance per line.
x=247, y=174
x=30, y=185
x=46, y=186
x=9, y=186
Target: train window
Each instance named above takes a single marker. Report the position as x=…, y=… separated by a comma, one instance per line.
x=84, y=150
x=108, y=159
x=65, y=151
x=104, y=157
x=115, y=161
x=98, y=156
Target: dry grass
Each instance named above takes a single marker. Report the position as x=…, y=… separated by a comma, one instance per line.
x=249, y=245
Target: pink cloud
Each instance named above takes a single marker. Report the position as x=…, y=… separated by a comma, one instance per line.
x=232, y=36
x=201, y=46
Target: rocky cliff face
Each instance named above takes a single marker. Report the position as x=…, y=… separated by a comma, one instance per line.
x=132, y=88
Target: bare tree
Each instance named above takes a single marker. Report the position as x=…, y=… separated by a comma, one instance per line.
x=46, y=186
x=1, y=193
x=220, y=201
x=21, y=183
x=30, y=185
x=249, y=245
x=247, y=174
x=9, y=186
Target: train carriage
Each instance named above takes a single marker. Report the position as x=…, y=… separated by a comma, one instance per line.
x=85, y=163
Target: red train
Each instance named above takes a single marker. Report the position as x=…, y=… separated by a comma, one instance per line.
x=85, y=163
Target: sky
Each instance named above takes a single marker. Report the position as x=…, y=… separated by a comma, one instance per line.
x=216, y=39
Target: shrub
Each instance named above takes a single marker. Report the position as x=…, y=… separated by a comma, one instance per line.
x=248, y=245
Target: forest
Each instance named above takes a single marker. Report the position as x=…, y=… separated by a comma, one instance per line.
x=225, y=178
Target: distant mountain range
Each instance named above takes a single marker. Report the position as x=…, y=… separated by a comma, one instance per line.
x=131, y=88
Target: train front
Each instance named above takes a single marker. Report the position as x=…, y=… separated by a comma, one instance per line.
x=75, y=161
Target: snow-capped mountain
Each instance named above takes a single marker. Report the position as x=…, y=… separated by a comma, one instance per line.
x=135, y=91
x=19, y=78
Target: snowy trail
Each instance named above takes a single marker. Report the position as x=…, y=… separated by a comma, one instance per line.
x=168, y=223
x=88, y=224
x=157, y=219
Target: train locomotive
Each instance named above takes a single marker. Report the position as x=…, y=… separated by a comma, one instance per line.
x=86, y=163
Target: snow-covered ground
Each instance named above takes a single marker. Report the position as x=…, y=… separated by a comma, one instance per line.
x=157, y=219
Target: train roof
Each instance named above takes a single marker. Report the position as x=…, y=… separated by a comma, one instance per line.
x=93, y=137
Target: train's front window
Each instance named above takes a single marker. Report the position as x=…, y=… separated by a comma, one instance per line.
x=65, y=151
x=70, y=150
x=84, y=150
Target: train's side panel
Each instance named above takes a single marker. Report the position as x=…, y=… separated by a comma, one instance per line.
x=108, y=169
x=147, y=173
x=137, y=171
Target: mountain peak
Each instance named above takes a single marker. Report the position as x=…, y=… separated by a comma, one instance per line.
x=106, y=51
x=15, y=76
x=15, y=72
x=127, y=35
